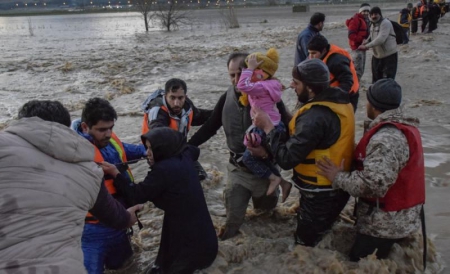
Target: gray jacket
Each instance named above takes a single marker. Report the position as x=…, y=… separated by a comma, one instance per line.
x=386, y=154
x=48, y=182
x=382, y=39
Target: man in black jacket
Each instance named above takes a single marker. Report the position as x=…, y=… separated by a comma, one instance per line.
x=235, y=119
x=323, y=126
x=339, y=62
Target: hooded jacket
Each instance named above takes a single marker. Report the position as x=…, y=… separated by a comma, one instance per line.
x=48, y=182
x=387, y=153
x=382, y=39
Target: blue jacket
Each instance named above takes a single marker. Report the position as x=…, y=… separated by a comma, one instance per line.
x=301, y=50
x=109, y=153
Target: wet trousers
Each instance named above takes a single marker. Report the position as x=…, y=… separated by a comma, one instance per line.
x=365, y=245
x=241, y=186
x=317, y=213
x=405, y=35
x=104, y=247
x=262, y=168
x=414, y=26
x=384, y=67
x=424, y=23
x=359, y=60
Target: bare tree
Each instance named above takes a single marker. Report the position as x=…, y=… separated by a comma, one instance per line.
x=171, y=15
x=30, y=27
x=144, y=7
x=229, y=17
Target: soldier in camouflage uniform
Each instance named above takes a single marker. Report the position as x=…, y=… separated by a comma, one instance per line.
x=390, y=177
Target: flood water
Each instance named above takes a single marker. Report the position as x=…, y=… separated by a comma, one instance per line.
x=72, y=58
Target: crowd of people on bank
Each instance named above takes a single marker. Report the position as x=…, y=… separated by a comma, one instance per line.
x=66, y=185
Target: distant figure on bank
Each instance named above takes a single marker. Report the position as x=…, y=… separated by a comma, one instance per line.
x=314, y=28
x=188, y=239
x=434, y=14
x=48, y=182
x=358, y=31
x=324, y=125
x=104, y=246
x=390, y=174
x=264, y=92
x=424, y=15
x=172, y=108
x=340, y=64
x=404, y=20
x=415, y=15
x=382, y=41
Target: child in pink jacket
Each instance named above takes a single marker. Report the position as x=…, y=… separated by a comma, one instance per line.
x=263, y=92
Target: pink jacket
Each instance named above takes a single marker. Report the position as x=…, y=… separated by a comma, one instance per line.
x=263, y=94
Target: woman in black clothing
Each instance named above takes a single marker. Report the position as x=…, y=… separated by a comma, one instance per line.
x=188, y=238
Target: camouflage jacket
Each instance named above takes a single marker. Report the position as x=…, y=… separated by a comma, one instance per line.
x=386, y=154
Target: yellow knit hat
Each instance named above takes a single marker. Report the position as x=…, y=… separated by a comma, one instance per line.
x=270, y=64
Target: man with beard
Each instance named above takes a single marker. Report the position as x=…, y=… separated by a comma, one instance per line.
x=234, y=116
x=390, y=174
x=382, y=41
x=323, y=126
x=104, y=246
x=172, y=108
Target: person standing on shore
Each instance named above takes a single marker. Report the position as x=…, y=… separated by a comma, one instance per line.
x=358, y=31
x=389, y=179
x=316, y=23
x=404, y=20
x=382, y=41
x=415, y=13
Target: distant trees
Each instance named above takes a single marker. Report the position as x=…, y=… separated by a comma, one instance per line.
x=229, y=17
x=171, y=15
x=144, y=7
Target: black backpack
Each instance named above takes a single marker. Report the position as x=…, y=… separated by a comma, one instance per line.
x=398, y=32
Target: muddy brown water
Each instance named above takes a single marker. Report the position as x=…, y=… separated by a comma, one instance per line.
x=76, y=57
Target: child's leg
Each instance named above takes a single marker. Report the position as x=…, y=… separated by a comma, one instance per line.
x=256, y=165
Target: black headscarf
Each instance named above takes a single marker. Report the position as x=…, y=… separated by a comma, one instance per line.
x=165, y=142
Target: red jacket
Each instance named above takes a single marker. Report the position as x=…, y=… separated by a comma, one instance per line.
x=409, y=189
x=357, y=30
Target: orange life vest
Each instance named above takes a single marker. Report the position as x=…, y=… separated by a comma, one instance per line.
x=333, y=81
x=173, y=122
x=98, y=158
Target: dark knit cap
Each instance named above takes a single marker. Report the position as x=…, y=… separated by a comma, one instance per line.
x=376, y=10
x=385, y=94
x=313, y=71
